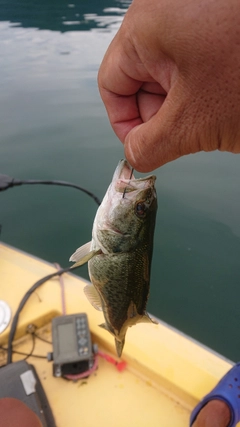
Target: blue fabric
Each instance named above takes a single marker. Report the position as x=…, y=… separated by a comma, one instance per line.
x=227, y=390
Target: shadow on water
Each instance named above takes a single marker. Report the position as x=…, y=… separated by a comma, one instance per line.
x=60, y=15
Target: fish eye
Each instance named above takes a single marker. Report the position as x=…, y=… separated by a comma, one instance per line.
x=140, y=209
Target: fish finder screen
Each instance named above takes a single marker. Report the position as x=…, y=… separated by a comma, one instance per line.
x=67, y=338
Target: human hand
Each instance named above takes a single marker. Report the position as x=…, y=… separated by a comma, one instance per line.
x=170, y=80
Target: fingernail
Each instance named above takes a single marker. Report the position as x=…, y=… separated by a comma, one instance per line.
x=128, y=144
x=129, y=153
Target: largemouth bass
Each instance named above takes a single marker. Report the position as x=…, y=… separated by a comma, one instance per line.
x=120, y=252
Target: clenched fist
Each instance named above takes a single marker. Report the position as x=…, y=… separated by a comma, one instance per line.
x=170, y=80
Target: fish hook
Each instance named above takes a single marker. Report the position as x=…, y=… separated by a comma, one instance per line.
x=128, y=183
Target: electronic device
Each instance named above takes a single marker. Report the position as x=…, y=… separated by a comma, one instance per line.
x=20, y=381
x=72, y=345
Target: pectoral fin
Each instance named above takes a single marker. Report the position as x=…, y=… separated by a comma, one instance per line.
x=93, y=297
x=83, y=254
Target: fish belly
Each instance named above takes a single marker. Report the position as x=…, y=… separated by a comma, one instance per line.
x=122, y=281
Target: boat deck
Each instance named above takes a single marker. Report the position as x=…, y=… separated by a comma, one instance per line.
x=166, y=372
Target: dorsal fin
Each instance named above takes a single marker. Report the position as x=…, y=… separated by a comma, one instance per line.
x=93, y=296
x=104, y=326
x=147, y=319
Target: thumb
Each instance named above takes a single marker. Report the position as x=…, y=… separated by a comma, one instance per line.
x=166, y=136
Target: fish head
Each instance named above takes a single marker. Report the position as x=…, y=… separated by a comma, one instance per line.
x=126, y=217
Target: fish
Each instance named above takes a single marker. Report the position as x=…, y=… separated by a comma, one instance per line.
x=120, y=252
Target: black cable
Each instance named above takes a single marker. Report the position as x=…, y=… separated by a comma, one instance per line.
x=8, y=182
x=32, y=350
x=23, y=302
x=42, y=339
x=23, y=354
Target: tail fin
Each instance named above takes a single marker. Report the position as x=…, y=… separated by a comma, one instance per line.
x=119, y=346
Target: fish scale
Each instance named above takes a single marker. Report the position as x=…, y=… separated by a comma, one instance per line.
x=120, y=252
x=122, y=287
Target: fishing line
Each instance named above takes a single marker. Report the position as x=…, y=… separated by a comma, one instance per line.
x=128, y=183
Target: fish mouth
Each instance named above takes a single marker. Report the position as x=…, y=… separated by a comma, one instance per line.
x=125, y=182
x=123, y=171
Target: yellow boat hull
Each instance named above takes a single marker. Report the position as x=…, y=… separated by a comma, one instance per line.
x=167, y=373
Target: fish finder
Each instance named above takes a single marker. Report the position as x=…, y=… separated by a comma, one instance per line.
x=72, y=346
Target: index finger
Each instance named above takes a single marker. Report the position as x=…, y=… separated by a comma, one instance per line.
x=122, y=111
x=119, y=94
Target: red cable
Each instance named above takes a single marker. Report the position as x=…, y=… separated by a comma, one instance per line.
x=119, y=365
x=83, y=374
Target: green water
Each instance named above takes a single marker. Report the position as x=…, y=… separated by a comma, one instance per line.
x=54, y=126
